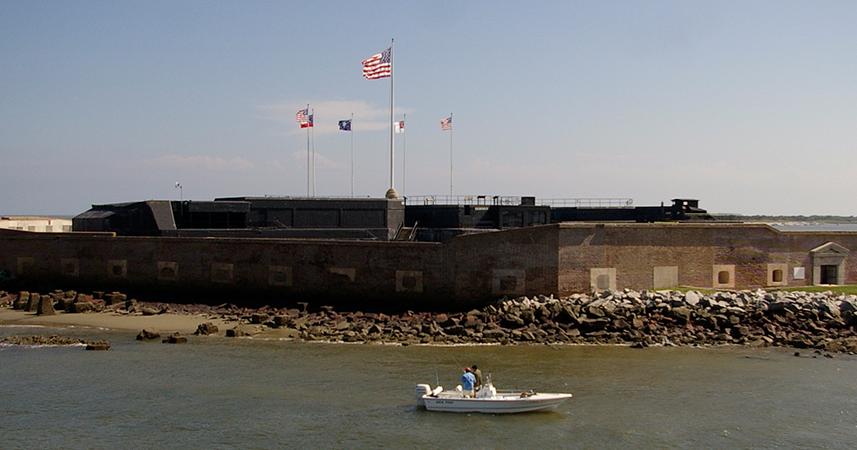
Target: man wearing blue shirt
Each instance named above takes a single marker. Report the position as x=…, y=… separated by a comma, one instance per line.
x=468, y=380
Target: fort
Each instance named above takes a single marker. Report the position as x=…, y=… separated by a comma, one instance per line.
x=387, y=265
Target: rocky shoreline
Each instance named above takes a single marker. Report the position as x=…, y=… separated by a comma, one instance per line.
x=53, y=341
x=821, y=321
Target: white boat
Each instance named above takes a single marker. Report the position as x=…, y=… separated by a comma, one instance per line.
x=487, y=400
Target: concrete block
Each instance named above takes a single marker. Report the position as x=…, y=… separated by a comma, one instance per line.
x=347, y=272
x=602, y=278
x=723, y=276
x=70, y=267
x=117, y=268
x=509, y=282
x=25, y=265
x=665, y=277
x=409, y=281
x=221, y=273
x=168, y=271
x=280, y=276
x=778, y=274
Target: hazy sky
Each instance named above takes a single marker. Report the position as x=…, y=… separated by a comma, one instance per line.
x=749, y=106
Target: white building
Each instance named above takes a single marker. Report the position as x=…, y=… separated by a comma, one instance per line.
x=40, y=224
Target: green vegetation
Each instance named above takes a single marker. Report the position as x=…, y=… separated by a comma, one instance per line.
x=783, y=219
x=844, y=289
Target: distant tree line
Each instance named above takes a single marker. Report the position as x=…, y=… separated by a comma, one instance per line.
x=764, y=218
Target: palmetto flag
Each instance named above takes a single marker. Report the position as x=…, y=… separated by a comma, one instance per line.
x=345, y=125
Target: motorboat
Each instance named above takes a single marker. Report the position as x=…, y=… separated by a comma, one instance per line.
x=487, y=400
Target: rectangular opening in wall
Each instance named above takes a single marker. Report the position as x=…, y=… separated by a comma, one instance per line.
x=829, y=274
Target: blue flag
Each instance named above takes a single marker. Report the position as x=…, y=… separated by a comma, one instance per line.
x=345, y=125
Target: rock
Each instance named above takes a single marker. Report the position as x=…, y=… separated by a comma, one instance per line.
x=681, y=313
x=45, y=307
x=639, y=344
x=82, y=307
x=237, y=332
x=33, y=302
x=257, y=318
x=99, y=345
x=175, y=339
x=205, y=329
x=149, y=311
x=148, y=335
x=493, y=333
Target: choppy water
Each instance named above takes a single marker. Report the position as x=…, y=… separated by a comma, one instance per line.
x=224, y=393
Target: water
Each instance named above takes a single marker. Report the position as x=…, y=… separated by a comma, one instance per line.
x=816, y=227
x=226, y=393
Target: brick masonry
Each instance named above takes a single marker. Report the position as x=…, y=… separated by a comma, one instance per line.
x=551, y=259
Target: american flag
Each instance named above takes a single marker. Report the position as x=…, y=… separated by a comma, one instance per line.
x=378, y=65
x=399, y=126
x=301, y=116
x=446, y=124
x=308, y=122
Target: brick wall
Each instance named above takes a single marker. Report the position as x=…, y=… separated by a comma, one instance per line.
x=550, y=259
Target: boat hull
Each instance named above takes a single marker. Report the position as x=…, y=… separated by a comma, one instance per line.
x=538, y=402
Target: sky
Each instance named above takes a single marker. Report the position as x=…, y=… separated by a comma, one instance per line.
x=750, y=107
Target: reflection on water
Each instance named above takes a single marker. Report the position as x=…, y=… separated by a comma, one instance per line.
x=218, y=393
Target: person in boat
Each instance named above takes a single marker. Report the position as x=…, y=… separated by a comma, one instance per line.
x=478, y=375
x=468, y=380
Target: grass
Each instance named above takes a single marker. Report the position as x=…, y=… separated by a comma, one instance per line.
x=850, y=289
x=844, y=289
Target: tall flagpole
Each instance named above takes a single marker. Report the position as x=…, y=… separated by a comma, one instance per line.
x=391, y=193
x=351, y=131
x=307, y=154
x=313, y=152
x=404, y=147
x=451, y=127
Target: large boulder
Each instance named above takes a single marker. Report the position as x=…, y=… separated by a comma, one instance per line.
x=205, y=329
x=237, y=332
x=691, y=298
x=45, y=307
x=175, y=339
x=33, y=303
x=148, y=335
x=98, y=345
x=82, y=307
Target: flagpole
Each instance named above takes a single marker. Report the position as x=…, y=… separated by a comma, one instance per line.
x=307, y=154
x=391, y=193
x=404, y=147
x=351, y=131
x=451, y=127
x=313, y=151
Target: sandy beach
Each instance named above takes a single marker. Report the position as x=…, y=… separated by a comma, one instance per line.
x=163, y=323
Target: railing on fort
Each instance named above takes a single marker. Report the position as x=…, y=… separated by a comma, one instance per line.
x=510, y=200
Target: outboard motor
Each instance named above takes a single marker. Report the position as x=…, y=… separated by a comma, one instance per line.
x=422, y=389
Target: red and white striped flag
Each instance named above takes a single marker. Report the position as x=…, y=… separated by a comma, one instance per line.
x=378, y=65
x=301, y=117
x=446, y=124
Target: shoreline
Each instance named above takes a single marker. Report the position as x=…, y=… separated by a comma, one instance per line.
x=824, y=322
